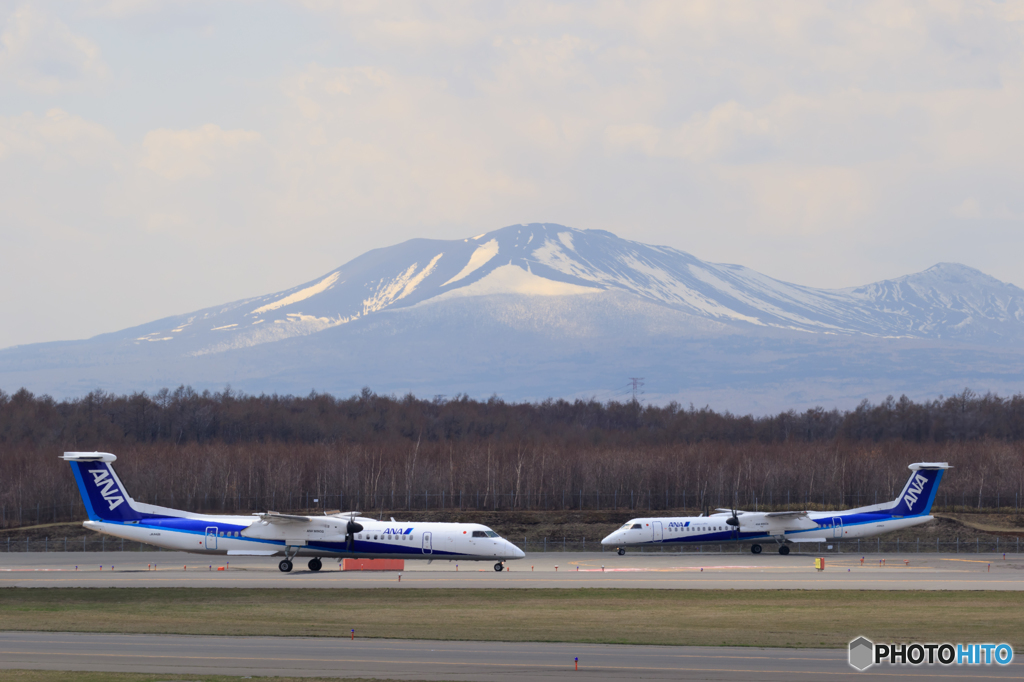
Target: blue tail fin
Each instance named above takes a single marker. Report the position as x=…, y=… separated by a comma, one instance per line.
x=102, y=492
x=919, y=492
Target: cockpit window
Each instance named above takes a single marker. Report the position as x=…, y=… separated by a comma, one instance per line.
x=625, y=527
x=479, y=534
x=491, y=534
x=636, y=526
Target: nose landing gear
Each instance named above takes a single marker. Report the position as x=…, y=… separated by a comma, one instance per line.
x=499, y=567
x=289, y=554
x=622, y=550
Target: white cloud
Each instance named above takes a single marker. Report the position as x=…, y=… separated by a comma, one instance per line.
x=42, y=54
x=824, y=144
x=177, y=154
x=56, y=139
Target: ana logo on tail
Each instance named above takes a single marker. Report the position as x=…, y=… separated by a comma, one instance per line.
x=916, y=486
x=109, y=489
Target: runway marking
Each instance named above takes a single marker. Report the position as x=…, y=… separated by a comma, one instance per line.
x=972, y=561
x=553, y=667
x=661, y=570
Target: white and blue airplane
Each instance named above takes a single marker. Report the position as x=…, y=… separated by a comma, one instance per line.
x=909, y=509
x=112, y=511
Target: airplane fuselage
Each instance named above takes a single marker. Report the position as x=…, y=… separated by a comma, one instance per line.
x=816, y=527
x=325, y=536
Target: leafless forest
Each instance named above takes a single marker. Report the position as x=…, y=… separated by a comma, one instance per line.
x=226, y=451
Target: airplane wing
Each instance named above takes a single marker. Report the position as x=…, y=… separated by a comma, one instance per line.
x=274, y=517
x=790, y=514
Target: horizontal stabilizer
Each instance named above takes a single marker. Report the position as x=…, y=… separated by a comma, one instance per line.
x=88, y=457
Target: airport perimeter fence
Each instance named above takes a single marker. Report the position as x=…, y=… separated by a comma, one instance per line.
x=638, y=501
x=977, y=545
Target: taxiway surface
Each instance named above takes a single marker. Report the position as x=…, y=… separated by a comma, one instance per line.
x=438, y=660
x=545, y=570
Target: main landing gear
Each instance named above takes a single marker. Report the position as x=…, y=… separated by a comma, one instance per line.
x=499, y=567
x=315, y=565
x=286, y=563
x=622, y=551
x=756, y=549
x=783, y=550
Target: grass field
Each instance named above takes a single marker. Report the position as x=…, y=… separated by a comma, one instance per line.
x=677, y=617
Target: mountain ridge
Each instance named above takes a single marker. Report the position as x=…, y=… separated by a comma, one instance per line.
x=544, y=308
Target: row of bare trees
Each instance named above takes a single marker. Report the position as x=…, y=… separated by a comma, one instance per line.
x=392, y=473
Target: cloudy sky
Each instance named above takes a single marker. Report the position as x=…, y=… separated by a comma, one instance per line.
x=160, y=157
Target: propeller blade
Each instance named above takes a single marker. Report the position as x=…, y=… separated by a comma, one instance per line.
x=351, y=528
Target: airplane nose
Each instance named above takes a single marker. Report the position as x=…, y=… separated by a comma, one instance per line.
x=608, y=541
x=519, y=554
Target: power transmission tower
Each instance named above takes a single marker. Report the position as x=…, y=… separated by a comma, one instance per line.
x=638, y=385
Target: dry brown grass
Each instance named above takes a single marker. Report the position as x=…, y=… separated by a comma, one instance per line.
x=712, y=617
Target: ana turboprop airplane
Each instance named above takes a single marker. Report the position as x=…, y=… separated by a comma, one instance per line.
x=112, y=511
x=909, y=509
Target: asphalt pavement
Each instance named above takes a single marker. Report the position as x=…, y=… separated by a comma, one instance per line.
x=437, y=660
x=540, y=570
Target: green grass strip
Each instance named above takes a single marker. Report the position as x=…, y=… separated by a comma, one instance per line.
x=775, y=618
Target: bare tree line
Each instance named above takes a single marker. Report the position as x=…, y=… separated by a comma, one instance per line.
x=241, y=453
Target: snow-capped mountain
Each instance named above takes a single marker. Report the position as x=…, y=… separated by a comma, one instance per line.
x=531, y=311
x=541, y=260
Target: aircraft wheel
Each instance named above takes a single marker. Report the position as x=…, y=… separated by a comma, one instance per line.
x=622, y=550
x=499, y=568
x=315, y=565
x=285, y=566
x=756, y=549
x=783, y=550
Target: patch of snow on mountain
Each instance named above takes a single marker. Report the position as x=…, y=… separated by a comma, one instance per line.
x=566, y=238
x=319, y=287
x=551, y=255
x=512, y=279
x=480, y=257
x=666, y=287
x=294, y=324
x=398, y=288
x=708, y=277
x=184, y=324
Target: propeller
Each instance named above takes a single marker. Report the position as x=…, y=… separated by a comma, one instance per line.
x=351, y=528
x=734, y=520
